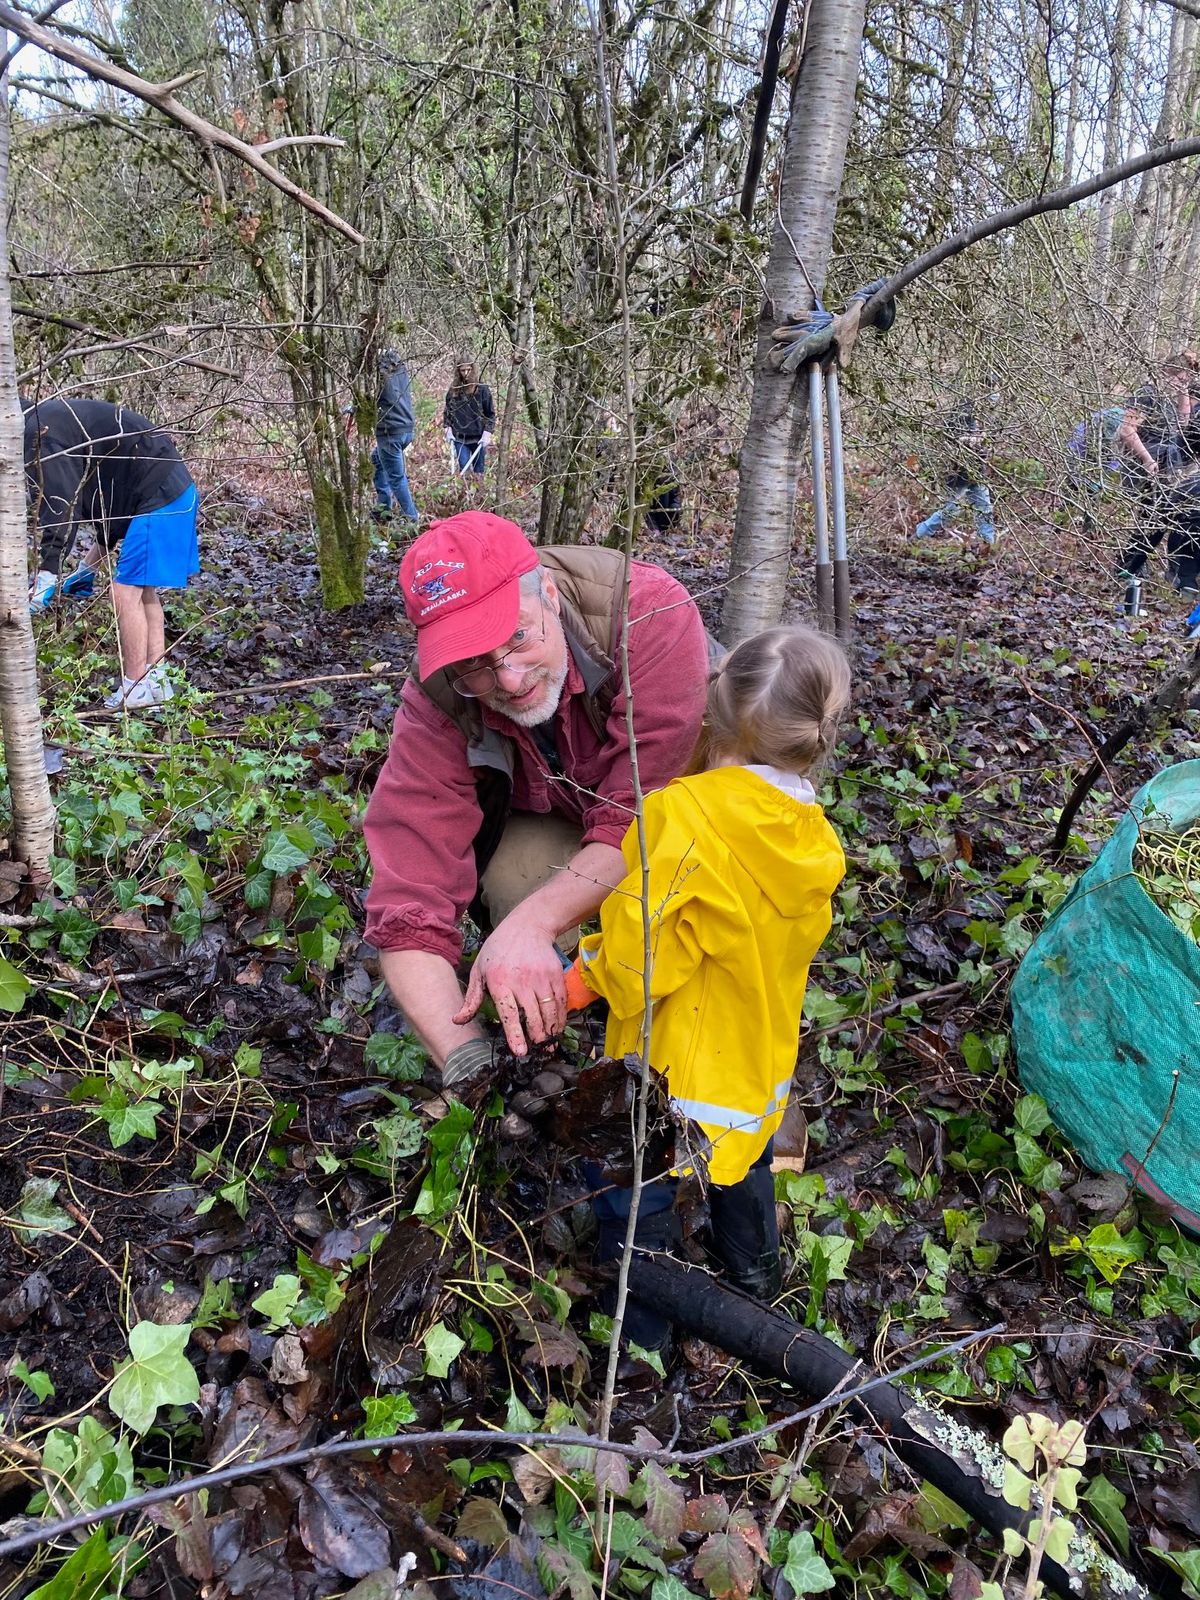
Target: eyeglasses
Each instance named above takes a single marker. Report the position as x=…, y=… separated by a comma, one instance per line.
x=479, y=678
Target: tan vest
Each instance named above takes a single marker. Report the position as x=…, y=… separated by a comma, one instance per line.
x=591, y=584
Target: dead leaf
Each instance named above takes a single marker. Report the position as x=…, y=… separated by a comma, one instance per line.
x=553, y=1346
x=482, y=1521
x=533, y=1477
x=966, y=1580
x=251, y=974
x=288, y=1366
x=193, y=1536
x=612, y=1472
x=339, y=1527
x=251, y=1426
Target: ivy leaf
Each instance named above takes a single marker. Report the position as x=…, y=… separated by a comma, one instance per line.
x=279, y=1301
x=442, y=1348
x=258, y=890
x=664, y=1504
x=125, y=1121
x=156, y=1374
x=14, y=986
x=803, y=1569
x=1185, y=1562
x=386, y=1414
x=1058, y=1540
x=282, y=853
x=670, y=1588
x=517, y=1416
x=1018, y=1444
x=38, y=1383
x=1017, y=1487
x=38, y=1211
x=1111, y=1252
x=726, y=1567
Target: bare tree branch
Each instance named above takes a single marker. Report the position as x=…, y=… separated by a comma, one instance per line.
x=1182, y=5
x=103, y=343
x=300, y=138
x=1036, y=206
x=159, y=96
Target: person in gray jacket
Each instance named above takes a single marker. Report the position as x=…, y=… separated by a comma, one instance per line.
x=393, y=435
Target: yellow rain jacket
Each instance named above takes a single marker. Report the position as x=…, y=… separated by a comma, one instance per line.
x=741, y=875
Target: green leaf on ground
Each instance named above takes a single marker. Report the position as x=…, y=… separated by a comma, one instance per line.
x=38, y=1383
x=803, y=1569
x=14, y=986
x=83, y=1575
x=38, y=1211
x=1107, y=1503
x=442, y=1348
x=125, y=1121
x=386, y=1414
x=725, y=1565
x=279, y=1301
x=395, y=1056
x=158, y=1373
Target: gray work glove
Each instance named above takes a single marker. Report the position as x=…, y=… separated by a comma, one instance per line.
x=466, y=1064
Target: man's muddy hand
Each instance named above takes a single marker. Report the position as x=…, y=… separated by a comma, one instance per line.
x=519, y=968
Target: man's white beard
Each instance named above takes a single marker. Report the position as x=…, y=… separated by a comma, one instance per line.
x=542, y=709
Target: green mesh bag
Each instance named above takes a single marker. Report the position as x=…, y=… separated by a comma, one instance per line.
x=1106, y=1010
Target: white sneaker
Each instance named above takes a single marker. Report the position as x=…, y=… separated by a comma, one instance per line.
x=158, y=676
x=137, y=694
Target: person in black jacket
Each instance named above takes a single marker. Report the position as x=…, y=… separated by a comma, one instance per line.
x=92, y=462
x=469, y=418
x=393, y=435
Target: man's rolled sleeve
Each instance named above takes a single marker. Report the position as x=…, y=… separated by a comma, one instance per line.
x=420, y=827
x=668, y=673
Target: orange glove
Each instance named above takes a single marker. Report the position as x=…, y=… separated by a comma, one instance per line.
x=579, y=995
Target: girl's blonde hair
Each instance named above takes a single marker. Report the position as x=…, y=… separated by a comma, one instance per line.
x=776, y=700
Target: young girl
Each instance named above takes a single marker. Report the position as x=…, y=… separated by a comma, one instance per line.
x=742, y=868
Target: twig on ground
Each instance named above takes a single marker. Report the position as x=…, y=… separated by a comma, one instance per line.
x=342, y=1447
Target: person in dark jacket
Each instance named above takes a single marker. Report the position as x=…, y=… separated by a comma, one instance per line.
x=469, y=418
x=93, y=462
x=393, y=435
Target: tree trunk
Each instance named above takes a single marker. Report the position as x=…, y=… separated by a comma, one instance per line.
x=20, y=712
x=815, y=155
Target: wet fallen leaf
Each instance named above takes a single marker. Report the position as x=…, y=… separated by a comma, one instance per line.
x=339, y=1527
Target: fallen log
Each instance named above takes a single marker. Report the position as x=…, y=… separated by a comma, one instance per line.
x=959, y=1460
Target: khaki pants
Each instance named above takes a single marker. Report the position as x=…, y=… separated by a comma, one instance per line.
x=531, y=850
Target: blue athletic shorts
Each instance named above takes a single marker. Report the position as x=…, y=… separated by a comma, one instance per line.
x=160, y=549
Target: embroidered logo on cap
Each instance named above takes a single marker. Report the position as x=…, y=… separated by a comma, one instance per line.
x=436, y=591
x=431, y=588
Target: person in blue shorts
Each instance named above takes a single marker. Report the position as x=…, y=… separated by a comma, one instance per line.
x=93, y=462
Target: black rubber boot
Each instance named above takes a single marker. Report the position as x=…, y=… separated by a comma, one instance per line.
x=745, y=1231
x=660, y=1231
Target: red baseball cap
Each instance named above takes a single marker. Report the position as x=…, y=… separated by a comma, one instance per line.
x=460, y=586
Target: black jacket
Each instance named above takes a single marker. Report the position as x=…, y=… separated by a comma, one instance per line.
x=87, y=461
x=469, y=413
x=395, y=418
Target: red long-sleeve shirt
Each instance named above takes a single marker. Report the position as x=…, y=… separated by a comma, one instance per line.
x=424, y=813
